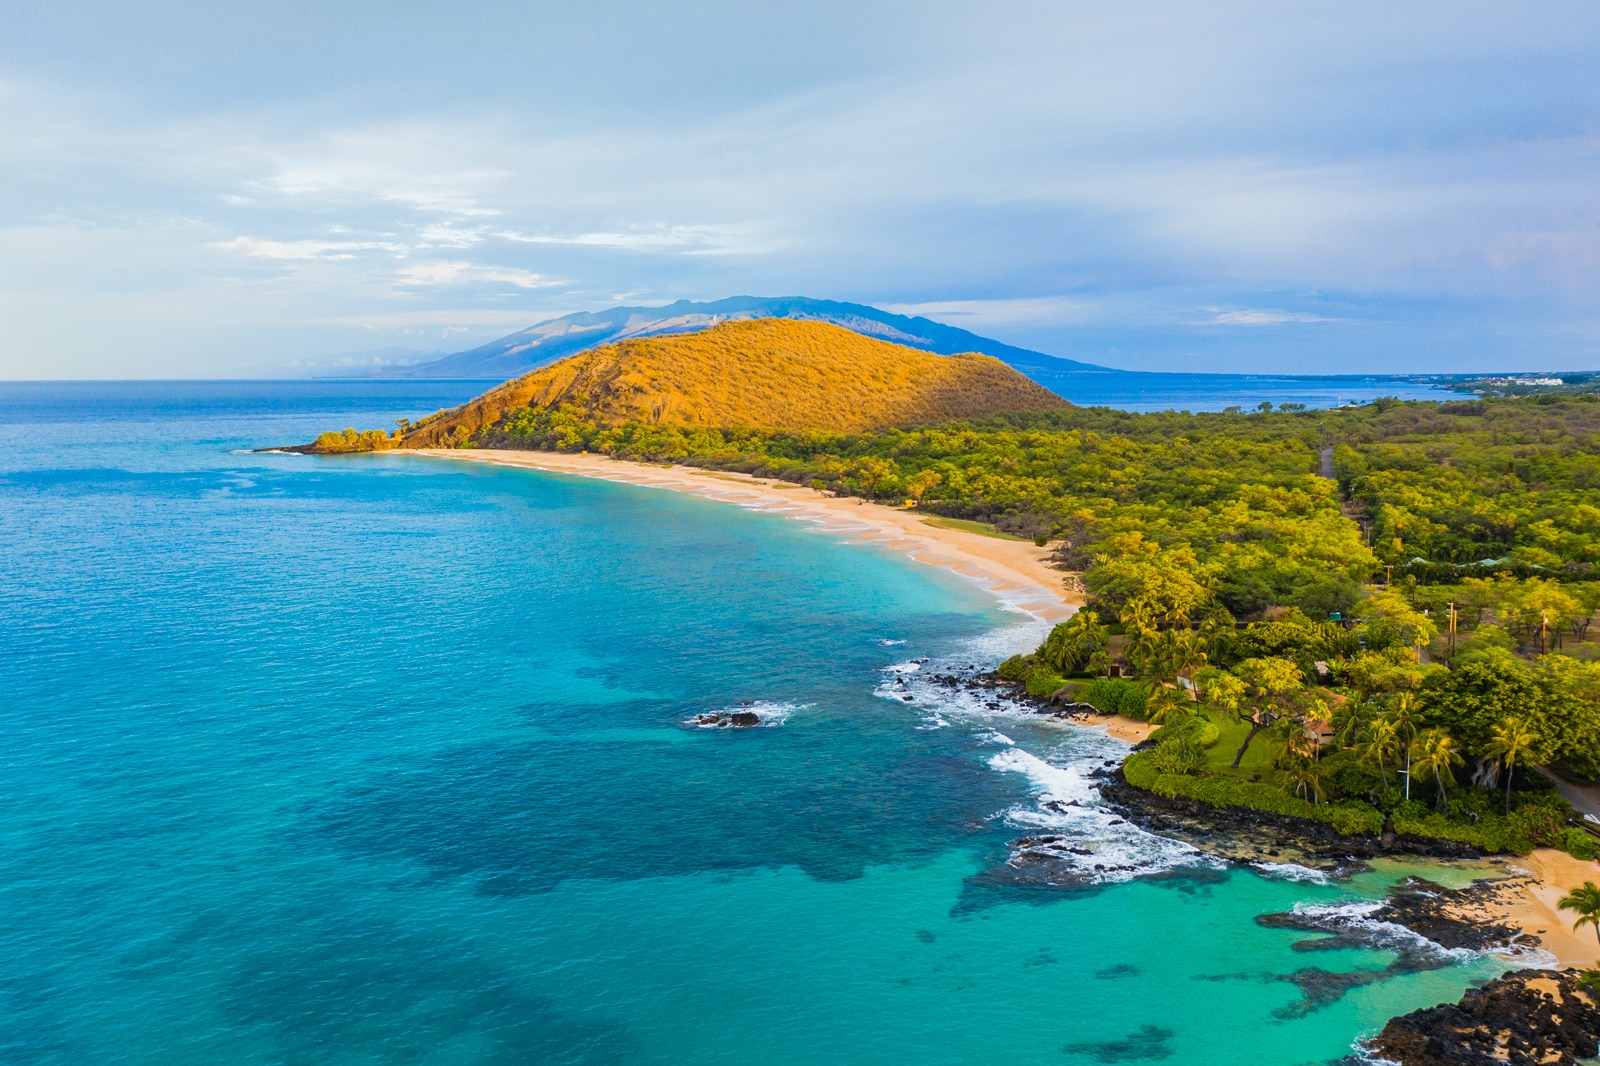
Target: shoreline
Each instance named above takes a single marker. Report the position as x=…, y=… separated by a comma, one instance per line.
x=1539, y=880
x=1016, y=572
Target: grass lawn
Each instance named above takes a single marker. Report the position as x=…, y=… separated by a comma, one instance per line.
x=979, y=528
x=1219, y=757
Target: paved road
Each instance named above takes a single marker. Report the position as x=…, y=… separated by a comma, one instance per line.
x=1585, y=800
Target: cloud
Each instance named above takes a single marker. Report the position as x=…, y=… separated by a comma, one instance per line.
x=1260, y=318
x=1086, y=180
x=463, y=273
x=305, y=249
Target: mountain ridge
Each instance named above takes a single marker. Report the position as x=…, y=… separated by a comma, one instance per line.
x=542, y=344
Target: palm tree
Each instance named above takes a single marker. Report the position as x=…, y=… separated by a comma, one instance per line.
x=1586, y=901
x=1379, y=740
x=1403, y=716
x=1303, y=776
x=1187, y=653
x=1512, y=739
x=1436, y=754
x=1163, y=704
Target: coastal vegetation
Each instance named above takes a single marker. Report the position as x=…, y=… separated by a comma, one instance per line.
x=1376, y=617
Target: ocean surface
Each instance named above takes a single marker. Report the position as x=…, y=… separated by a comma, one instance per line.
x=1215, y=392
x=381, y=759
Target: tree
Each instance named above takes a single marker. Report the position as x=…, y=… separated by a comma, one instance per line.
x=1073, y=644
x=1511, y=740
x=1302, y=777
x=1586, y=901
x=1588, y=596
x=872, y=472
x=1222, y=689
x=1379, y=741
x=1391, y=619
x=1163, y=703
x=1403, y=717
x=1273, y=687
x=1436, y=754
x=920, y=484
x=1472, y=699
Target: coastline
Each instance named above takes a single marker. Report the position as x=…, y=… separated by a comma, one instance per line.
x=1017, y=572
x=1540, y=880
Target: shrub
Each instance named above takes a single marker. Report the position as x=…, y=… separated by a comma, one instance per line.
x=351, y=440
x=1176, y=755
x=1015, y=668
x=1490, y=834
x=1043, y=681
x=1142, y=771
x=1577, y=843
x=1111, y=696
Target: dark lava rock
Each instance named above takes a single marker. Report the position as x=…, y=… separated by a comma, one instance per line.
x=725, y=720
x=1244, y=835
x=1526, y=1017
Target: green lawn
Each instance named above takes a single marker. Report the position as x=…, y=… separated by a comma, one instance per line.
x=979, y=528
x=1219, y=757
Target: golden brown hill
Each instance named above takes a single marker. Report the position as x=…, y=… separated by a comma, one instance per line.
x=769, y=373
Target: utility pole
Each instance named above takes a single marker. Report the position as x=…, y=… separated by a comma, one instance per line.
x=1388, y=574
x=1544, y=625
x=1452, y=630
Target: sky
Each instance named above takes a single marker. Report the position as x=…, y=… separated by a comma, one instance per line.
x=220, y=190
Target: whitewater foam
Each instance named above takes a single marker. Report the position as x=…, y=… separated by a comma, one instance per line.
x=1290, y=871
x=1093, y=843
x=769, y=712
x=1354, y=918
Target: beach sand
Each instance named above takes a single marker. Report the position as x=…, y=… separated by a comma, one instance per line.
x=1552, y=875
x=1016, y=571
x=1527, y=899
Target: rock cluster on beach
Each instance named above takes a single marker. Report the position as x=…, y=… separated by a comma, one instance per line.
x=1526, y=1017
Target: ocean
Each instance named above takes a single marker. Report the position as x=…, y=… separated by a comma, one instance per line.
x=384, y=759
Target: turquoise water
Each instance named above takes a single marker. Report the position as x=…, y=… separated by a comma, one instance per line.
x=382, y=760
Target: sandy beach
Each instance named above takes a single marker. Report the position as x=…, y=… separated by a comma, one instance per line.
x=1552, y=874
x=1016, y=571
x=1527, y=900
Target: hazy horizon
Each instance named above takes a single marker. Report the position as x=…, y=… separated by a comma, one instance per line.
x=1244, y=188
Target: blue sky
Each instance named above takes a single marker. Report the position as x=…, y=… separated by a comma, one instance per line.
x=198, y=189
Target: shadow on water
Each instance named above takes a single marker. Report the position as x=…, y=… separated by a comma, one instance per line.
x=1149, y=1042
x=507, y=814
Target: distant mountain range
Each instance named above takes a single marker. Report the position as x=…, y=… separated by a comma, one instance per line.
x=543, y=344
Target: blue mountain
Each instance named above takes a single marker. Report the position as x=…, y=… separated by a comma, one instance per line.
x=560, y=337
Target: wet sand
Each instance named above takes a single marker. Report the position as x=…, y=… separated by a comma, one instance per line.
x=1015, y=571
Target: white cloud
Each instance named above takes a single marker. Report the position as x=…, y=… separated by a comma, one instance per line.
x=1260, y=318
x=463, y=273
x=305, y=249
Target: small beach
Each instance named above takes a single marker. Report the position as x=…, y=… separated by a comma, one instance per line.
x=1531, y=905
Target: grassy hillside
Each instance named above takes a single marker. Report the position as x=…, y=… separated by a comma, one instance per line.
x=778, y=374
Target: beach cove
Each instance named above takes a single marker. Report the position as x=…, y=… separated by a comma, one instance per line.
x=371, y=757
x=1020, y=575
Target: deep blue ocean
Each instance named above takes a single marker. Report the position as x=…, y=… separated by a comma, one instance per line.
x=382, y=759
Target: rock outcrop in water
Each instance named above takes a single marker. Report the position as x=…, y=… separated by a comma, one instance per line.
x=1526, y=1017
